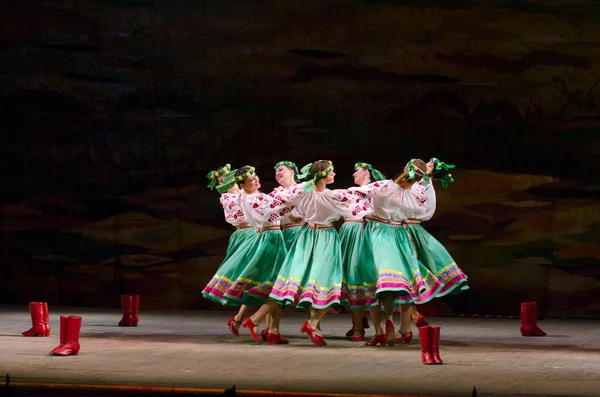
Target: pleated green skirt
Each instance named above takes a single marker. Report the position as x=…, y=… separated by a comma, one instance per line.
x=448, y=277
x=312, y=272
x=247, y=276
x=359, y=287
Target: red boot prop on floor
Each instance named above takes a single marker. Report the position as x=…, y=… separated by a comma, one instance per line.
x=127, y=307
x=38, y=316
x=63, y=333
x=425, y=339
x=434, y=333
x=71, y=345
x=46, y=318
x=529, y=320
x=135, y=308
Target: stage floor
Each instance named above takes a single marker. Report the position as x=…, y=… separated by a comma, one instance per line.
x=195, y=349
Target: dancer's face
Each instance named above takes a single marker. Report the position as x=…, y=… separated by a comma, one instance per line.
x=330, y=178
x=361, y=176
x=220, y=180
x=284, y=176
x=252, y=184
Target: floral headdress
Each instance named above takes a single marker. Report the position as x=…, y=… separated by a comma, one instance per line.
x=228, y=182
x=245, y=175
x=413, y=170
x=376, y=175
x=305, y=172
x=291, y=166
x=443, y=169
x=214, y=175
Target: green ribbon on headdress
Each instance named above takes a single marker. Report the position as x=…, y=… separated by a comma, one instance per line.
x=319, y=175
x=412, y=170
x=290, y=165
x=228, y=182
x=376, y=175
x=304, y=172
x=439, y=165
x=214, y=175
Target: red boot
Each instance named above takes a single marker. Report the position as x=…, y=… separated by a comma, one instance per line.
x=425, y=339
x=38, y=328
x=71, y=345
x=529, y=320
x=127, y=306
x=135, y=308
x=63, y=333
x=435, y=345
x=46, y=318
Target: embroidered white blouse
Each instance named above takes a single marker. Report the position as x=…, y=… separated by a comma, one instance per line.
x=363, y=202
x=233, y=214
x=260, y=219
x=320, y=208
x=426, y=196
x=390, y=201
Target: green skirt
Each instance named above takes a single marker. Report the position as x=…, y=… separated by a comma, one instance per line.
x=247, y=276
x=448, y=277
x=395, y=267
x=237, y=238
x=290, y=235
x=356, y=293
x=312, y=272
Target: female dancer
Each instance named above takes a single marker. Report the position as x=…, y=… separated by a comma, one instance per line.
x=311, y=276
x=248, y=275
x=360, y=295
x=286, y=174
x=233, y=215
x=397, y=272
x=449, y=278
x=430, y=252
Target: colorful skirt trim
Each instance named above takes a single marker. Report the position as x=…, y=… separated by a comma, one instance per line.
x=247, y=276
x=358, y=293
x=312, y=272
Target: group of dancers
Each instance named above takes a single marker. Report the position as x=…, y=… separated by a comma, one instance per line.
x=285, y=250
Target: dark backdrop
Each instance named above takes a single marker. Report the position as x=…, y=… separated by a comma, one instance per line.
x=113, y=111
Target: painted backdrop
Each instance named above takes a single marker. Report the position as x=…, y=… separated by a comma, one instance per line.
x=113, y=111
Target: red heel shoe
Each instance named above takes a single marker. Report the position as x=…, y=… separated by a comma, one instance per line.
x=378, y=339
x=351, y=331
x=316, y=339
x=249, y=324
x=405, y=337
x=231, y=324
x=390, y=336
x=264, y=334
x=358, y=338
x=276, y=339
x=421, y=321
